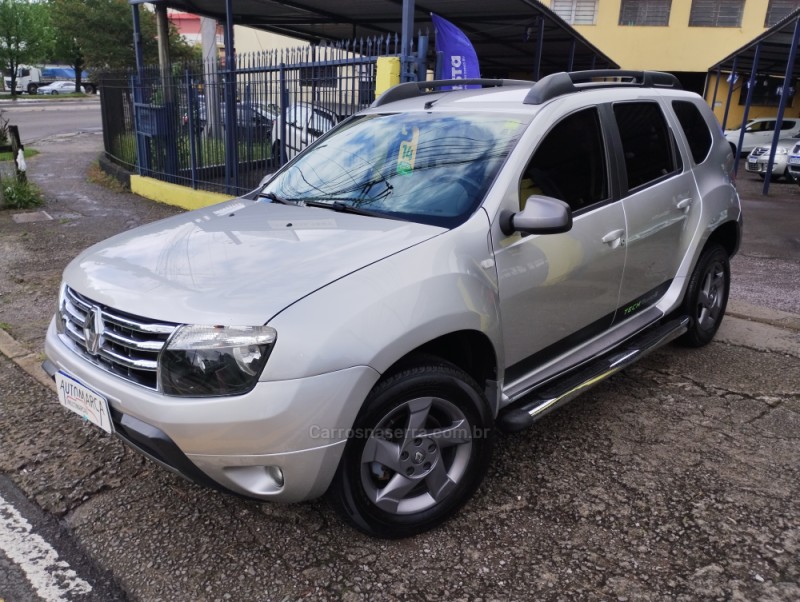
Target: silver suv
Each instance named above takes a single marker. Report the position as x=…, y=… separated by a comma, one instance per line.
x=438, y=266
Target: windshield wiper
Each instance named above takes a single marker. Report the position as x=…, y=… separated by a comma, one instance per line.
x=337, y=205
x=274, y=198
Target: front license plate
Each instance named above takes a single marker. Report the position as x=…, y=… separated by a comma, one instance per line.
x=794, y=160
x=752, y=163
x=88, y=404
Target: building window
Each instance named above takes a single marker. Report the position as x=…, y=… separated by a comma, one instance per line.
x=767, y=92
x=779, y=10
x=644, y=12
x=576, y=12
x=716, y=13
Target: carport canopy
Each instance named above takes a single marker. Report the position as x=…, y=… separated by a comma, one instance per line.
x=773, y=53
x=505, y=33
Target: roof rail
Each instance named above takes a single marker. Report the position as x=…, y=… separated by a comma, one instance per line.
x=562, y=83
x=414, y=89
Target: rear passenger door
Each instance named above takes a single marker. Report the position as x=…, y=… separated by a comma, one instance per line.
x=660, y=199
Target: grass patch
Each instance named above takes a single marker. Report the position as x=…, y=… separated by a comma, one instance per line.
x=19, y=195
x=5, y=326
x=97, y=176
x=9, y=156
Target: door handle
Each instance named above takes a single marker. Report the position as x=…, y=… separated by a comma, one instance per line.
x=614, y=238
x=684, y=203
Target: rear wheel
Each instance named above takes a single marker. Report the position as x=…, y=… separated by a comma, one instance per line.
x=420, y=447
x=707, y=296
x=276, y=153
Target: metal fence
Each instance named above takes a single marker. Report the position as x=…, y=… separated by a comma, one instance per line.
x=174, y=126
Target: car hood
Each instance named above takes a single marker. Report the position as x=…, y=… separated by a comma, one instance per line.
x=238, y=263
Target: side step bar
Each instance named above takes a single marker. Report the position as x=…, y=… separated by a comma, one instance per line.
x=540, y=402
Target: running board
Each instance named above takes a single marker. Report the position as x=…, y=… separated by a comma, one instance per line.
x=542, y=401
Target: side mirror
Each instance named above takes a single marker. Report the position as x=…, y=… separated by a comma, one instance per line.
x=542, y=215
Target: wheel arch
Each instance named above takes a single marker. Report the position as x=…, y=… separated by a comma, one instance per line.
x=728, y=235
x=470, y=350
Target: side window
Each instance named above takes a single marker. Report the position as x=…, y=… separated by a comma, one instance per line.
x=787, y=125
x=570, y=163
x=646, y=142
x=694, y=128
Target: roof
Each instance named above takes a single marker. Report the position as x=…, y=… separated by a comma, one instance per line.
x=503, y=32
x=774, y=54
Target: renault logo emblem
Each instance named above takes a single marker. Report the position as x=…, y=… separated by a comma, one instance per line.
x=93, y=331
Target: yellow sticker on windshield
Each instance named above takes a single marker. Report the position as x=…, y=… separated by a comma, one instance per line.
x=407, y=153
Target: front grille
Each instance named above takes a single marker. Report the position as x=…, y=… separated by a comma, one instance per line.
x=127, y=345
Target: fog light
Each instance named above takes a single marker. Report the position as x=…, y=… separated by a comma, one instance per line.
x=276, y=474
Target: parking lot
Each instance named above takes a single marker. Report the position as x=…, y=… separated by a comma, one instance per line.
x=676, y=479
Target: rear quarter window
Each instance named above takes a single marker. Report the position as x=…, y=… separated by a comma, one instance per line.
x=695, y=128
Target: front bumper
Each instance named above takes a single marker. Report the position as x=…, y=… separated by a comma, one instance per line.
x=298, y=426
x=759, y=165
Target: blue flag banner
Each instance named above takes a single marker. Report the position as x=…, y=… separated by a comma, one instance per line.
x=459, y=58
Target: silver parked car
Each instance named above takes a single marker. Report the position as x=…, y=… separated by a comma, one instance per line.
x=758, y=159
x=439, y=266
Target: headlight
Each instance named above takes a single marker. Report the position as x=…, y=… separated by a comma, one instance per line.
x=210, y=361
x=61, y=327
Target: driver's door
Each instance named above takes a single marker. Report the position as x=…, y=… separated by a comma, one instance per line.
x=558, y=290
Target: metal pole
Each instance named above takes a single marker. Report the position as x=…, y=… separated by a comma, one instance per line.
x=787, y=78
x=716, y=89
x=537, y=67
x=164, y=62
x=406, y=58
x=231, y=149
x=571, y=62
x=751, y=84
x=137, y=39
x=191, y=123
x=142, y=149
x=730, y=95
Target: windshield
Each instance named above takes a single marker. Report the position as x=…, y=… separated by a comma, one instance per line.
x=432, y=168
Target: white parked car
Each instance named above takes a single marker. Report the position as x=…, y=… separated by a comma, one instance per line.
x=759, y=132
x=56, y=88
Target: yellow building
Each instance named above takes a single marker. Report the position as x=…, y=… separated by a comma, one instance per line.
x=684, y=37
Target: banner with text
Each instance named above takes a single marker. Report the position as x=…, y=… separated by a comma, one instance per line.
x=459, y=60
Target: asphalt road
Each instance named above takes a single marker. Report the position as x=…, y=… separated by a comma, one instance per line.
x=39, y=119
x=677, y=479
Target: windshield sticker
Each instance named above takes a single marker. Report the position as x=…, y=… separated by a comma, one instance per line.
x=407, y=153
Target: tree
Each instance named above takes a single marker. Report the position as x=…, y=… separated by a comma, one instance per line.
x=102, y=30
x=23, y=35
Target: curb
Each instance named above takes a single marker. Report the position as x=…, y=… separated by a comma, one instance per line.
x=22, y=357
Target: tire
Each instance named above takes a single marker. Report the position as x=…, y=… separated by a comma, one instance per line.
x=276, y=153
x=424, y=434
x=54, y=92
x=32, y=89
x=707, y=296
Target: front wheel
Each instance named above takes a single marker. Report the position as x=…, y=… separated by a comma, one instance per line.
x=419, y=449
x=707, y=296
